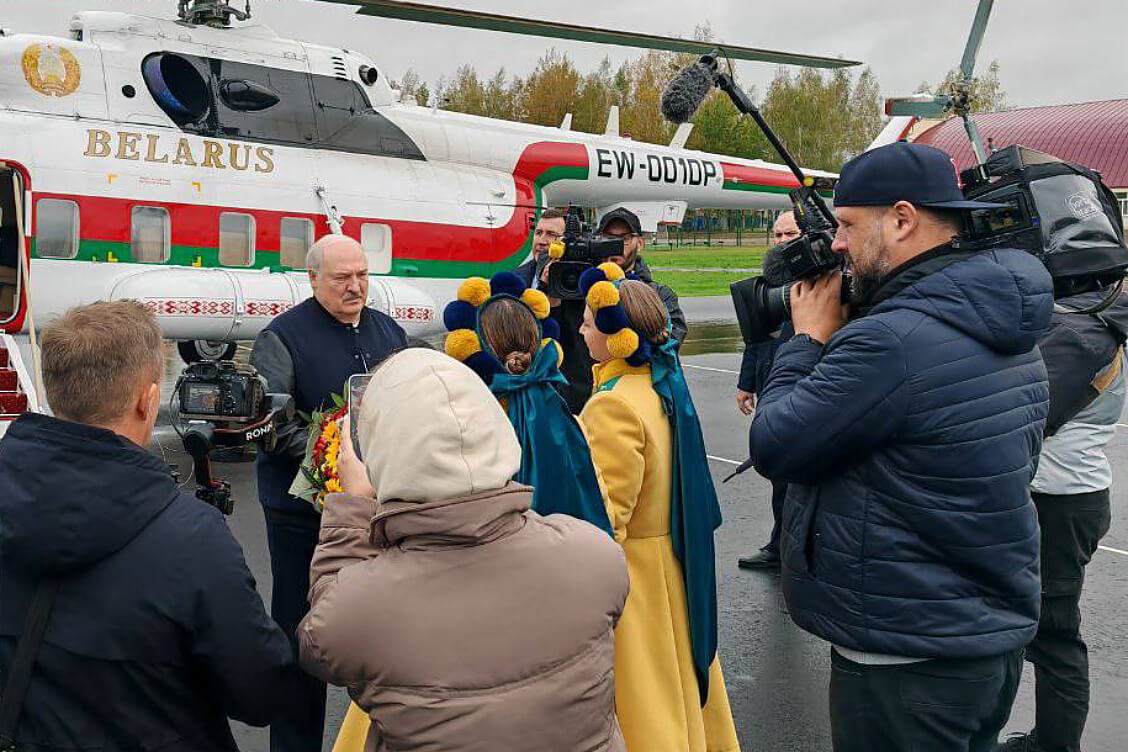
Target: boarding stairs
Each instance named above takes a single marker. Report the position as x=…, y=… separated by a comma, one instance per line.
x=17, y=394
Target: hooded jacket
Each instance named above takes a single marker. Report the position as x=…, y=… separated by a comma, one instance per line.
x=157, y=635
x=458, y=618
x=910, y=442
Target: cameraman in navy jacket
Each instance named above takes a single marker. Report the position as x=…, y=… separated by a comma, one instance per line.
x=909, y=436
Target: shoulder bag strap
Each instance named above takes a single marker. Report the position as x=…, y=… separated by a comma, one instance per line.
x=19, y=675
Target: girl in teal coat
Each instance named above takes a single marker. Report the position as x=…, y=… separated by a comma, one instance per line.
x=501, y=330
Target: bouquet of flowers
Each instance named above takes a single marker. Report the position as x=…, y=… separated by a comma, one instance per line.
x=318, y=476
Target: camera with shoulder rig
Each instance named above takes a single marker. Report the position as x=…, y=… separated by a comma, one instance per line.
x=763, y=303
x=1060, y=212
x=578, y=250
x=224, y=404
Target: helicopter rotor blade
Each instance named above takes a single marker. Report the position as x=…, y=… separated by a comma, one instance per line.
x=408, y=11
x=975, y=38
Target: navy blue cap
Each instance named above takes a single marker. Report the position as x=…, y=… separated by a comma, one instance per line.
x=902, y=171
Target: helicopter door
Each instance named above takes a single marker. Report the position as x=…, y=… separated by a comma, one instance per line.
x=11, y=227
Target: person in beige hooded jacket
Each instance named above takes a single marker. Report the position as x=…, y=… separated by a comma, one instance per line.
x=458, y=618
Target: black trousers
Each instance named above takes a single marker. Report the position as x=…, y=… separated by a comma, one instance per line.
x=940, y=705
x=291, y=539
x=1072, y=526
x=779, y=493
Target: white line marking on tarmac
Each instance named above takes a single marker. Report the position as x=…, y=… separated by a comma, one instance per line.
x=734, y=462
x=721, y=370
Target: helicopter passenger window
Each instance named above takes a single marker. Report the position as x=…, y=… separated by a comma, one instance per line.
x=150, y=235
x=376, y=240
x=56, y=228
x=236, y=239
x=296, y=237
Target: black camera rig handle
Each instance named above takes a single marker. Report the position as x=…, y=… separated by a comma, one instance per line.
x=202, y=436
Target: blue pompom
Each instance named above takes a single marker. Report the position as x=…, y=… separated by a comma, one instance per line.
x=641, y=356
x=590, y=277
x=611, y=319
x=459, y=315
x=507, y=283
x=483, y=364
x=550, y=328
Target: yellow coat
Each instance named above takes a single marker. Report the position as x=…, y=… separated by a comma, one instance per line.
x=656, y=694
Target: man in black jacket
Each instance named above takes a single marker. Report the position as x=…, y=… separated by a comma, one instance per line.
x=157, y=635
x=1084, y=356
x=310, y=351
x=569, y=314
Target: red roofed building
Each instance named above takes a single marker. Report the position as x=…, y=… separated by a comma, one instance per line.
x=1093, y=134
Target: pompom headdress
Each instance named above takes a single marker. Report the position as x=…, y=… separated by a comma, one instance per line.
x=600, y=286
x=462, y=317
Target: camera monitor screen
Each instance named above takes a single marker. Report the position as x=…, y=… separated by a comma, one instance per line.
x=200, y=399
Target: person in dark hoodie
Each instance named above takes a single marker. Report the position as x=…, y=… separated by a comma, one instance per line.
x=156, y=634
x=909, y=437
x=1084, y=356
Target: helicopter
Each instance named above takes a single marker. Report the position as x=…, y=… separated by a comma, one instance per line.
x=190, y=163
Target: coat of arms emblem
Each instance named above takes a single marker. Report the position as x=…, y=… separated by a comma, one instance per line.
x=51, y=70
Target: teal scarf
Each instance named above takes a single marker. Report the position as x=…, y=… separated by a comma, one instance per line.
x=555, y=459
x=694, y=510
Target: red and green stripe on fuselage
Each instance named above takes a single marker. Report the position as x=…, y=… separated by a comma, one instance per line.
x=420, y=249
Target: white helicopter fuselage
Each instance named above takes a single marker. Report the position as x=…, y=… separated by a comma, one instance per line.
x=109, y=189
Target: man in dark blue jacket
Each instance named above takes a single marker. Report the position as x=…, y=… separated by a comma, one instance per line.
x=310, y=351
x=754, y=369
x=156, y=634
x=909, y=438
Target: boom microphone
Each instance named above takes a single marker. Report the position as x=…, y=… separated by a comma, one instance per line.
x=685, y=93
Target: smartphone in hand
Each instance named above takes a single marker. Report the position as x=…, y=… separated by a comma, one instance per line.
x=357, y=385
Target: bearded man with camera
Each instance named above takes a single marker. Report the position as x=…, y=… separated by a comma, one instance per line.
x=908, y=431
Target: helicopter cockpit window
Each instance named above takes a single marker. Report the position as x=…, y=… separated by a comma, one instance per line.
x=179, y=86
x=263, y=104
x=346, y=121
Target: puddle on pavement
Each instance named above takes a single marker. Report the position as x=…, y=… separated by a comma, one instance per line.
x=706, y=337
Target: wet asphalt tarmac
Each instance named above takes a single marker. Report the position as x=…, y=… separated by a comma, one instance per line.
x=776, y=674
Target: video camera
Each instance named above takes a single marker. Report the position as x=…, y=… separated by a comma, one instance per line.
x=225, y=404
x=763, y=303
x=1060, y=212
x=578, y=250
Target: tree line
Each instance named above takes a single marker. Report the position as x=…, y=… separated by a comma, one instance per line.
x=823, y=117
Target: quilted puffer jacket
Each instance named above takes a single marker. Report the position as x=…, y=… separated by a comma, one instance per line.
x=910, y=441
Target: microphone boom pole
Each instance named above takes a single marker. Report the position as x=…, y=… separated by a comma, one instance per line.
x=746, y=106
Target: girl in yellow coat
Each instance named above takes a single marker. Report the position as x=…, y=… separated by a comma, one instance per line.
x=646, y=442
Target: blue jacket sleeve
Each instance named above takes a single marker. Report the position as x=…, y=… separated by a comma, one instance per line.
x=823, y=407
x=757, y=361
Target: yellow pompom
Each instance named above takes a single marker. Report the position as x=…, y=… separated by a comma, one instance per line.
x=602, y=295
x=550, y=342
x=614, y=272
x=556, y=250
x=537, y=302
x=622, y=343
x=462, y=343
x=475, y=291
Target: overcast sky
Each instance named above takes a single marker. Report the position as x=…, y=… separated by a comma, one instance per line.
x=1050, y=51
